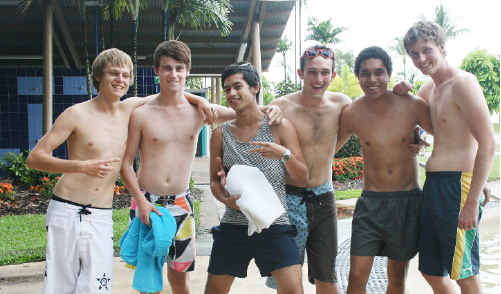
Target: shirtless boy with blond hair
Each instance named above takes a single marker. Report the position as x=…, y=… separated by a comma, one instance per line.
x=79, y=221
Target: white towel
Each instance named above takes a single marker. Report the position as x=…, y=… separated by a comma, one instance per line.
x=258, y=201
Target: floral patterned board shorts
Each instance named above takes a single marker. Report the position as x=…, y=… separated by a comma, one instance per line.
x=313, y=212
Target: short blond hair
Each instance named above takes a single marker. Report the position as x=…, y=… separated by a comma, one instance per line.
x=114, y=57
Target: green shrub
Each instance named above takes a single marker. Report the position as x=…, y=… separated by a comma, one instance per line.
x=351, y=148
x=15, y=168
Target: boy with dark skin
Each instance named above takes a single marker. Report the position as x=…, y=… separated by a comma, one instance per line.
x=385, y=124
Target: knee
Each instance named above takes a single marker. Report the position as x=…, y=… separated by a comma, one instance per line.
x=359, y=275
x=179, y=283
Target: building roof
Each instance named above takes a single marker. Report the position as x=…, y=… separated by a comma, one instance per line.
x=22, y=34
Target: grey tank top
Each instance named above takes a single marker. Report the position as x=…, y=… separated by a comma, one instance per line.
x=236, y=152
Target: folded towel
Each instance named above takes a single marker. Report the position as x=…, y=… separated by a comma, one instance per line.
x=258, y=201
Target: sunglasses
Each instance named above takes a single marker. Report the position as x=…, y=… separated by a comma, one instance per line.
x=314, y=52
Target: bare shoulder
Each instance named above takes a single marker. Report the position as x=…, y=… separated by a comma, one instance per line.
x=338, y=98
x=285, y=100
x=464, y=81
x=284, y=127
x=133, y=102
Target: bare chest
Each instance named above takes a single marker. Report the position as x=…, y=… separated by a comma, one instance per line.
x=172, y=127
x=100, y=138
x=445, y=114
x=315, y=126
x=389, y=127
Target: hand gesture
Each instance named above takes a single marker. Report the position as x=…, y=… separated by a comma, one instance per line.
x=269, y=150
x=402, y=88
x=273, y=113
x=99, y=167
x=144, y=208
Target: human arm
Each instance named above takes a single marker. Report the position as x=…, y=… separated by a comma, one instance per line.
x=344, y=129
x=217, y=173
x=472, y=105
x=287, y=140
x=127, y=172
x=41, y=157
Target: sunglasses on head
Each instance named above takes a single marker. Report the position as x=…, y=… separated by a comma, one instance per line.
x=314, y=52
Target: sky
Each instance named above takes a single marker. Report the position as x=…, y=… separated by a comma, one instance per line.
x=370, y=23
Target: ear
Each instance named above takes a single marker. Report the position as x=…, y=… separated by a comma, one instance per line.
x=155, y=70
x=255, y=89
x=333, y=75
x=300, y=73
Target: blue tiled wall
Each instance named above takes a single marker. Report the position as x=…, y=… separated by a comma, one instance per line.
x=13, y=107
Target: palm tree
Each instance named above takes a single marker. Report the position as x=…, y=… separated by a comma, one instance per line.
x=195, y=14
x=283, y=46
x=323, y=31
x=441, y=17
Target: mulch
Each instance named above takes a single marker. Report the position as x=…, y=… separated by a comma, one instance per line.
x=26, y=202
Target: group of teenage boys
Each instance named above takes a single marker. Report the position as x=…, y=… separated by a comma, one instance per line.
x=292, y=142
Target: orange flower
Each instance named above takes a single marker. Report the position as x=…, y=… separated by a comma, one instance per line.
x=117, y=190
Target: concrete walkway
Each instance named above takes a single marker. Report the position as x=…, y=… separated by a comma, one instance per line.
x=27, y=278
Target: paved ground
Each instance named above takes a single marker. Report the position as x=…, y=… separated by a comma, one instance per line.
x=27, y=278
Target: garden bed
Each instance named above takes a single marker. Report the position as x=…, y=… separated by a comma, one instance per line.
x=26, y=202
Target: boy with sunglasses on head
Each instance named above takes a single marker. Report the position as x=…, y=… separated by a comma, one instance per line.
x=386, y=217
x=311, y=207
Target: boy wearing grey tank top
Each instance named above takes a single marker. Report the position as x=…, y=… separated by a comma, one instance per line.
x=274, y=150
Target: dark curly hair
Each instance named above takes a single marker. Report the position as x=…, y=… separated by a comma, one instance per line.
x=373, y=52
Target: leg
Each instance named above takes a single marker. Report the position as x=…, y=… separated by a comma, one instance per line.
x=397, y=272
x=440, y=284
x=218, y=284
x=326, y=287
x=470, y=285
x=288, y=279
x=178, y=281
x=360, y=269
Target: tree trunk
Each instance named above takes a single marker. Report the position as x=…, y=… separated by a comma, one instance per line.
x=170, y=32
x=135, y=25
x=165, y=24
x=101, y=25
x=86, y=55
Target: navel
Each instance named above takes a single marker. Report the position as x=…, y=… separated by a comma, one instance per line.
x=155, y=140
x=403, y=139
x=390, y=171
x=367, y=143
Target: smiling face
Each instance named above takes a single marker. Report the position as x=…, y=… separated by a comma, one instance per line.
x=238, y=92
x=373, y=77
x=317, y=76
x=427, y=56
x=172, y=74
x=114, y=81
